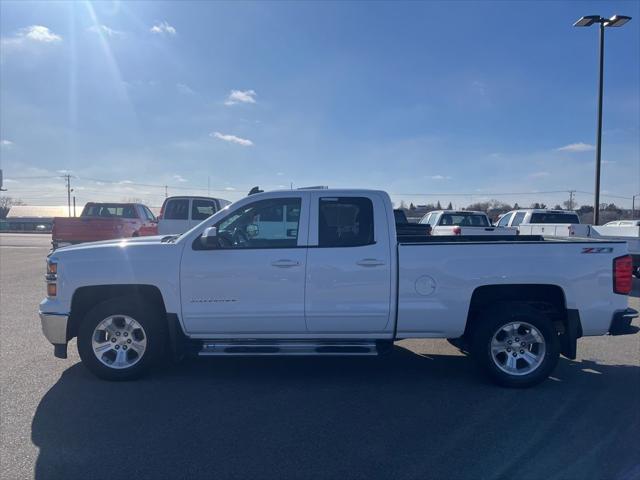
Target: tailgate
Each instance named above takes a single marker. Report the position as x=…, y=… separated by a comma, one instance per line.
x=488, y=231
x=87, y=229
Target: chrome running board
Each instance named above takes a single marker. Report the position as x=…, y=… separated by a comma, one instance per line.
x=287, y=347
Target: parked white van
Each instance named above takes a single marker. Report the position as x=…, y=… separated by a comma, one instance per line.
x=179, y=214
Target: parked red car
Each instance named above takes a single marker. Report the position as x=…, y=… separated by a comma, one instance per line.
x=104, y=221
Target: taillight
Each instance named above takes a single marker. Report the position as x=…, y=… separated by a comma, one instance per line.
x=622, y=268
x=457, y=230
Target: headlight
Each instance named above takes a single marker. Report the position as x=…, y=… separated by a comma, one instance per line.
x=52, y=278
x=52, y=268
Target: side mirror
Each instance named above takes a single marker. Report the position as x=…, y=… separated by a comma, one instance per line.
x=209, y=237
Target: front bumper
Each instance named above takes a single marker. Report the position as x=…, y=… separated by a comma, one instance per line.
x=621, y=322
x=54, y=327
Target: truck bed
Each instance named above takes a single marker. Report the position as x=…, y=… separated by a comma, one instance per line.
x=88, y=229
x=437, y=279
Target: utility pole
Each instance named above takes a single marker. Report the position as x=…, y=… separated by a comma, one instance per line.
x=67, y=177
x=166, y=191
x=571, y=192
x=74, y=205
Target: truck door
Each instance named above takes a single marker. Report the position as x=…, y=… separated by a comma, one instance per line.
x=348, y=285
x=253, y=281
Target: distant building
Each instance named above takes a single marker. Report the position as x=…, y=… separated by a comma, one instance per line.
x=33, y=218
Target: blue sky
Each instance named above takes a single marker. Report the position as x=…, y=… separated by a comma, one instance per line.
x=415, y=98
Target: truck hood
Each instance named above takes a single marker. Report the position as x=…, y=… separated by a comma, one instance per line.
x=116, y=242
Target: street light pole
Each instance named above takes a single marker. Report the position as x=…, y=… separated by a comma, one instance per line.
x=615, y=21
x=596, y=206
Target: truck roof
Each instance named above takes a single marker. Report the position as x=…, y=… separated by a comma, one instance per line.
x=328, y=191
x=203, y=197
x=542, y=210
x=459, y=212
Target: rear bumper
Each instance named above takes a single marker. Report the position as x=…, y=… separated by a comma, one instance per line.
x=621, y=322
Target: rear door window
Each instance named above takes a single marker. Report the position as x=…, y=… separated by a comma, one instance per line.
x=177, y=209
x=345, y=222
x=517, y=219
x=202, y=209
x=150, y=216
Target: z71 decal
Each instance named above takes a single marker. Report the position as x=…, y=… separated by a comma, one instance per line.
x=597, y=250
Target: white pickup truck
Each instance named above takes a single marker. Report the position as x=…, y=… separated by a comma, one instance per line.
x=548, y=223
x=463, y=222
x=331, y=280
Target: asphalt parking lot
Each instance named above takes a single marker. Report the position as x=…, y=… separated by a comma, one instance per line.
x=421, y=412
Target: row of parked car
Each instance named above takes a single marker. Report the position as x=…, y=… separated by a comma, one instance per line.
x=106, y=221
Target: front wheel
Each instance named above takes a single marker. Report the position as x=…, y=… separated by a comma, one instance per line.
x=122, y=338
x=516, y=344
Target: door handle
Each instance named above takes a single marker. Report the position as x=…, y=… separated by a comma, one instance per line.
x=370, y=262
x=284, y=263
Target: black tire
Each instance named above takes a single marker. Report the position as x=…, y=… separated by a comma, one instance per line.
x=148, y=315
x=488, y=322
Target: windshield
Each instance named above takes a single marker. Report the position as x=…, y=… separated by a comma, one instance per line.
x=464, y=219
x=109, y=211
x=554, y=217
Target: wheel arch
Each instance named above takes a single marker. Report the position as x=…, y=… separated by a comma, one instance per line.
x=546, y=297
x=85, y=298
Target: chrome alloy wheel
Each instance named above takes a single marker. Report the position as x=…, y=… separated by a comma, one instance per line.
x=518, y=348
x=119, y=341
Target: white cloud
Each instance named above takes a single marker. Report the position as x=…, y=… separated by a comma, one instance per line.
x=163, y=28
x=40, y=33
x=539, y=174
x=104, y=30
x=576, y=147
x=179, y=178
x=6, y=143
x=439, y=177
x=230, y=189
x=32, y=34
x=185, y=89
x=241, y=96
x=232, y=139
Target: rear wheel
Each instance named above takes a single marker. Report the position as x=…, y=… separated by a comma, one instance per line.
x=516, y=344
x=122, y=338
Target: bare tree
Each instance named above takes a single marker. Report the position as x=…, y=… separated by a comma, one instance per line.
x=6, y=203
